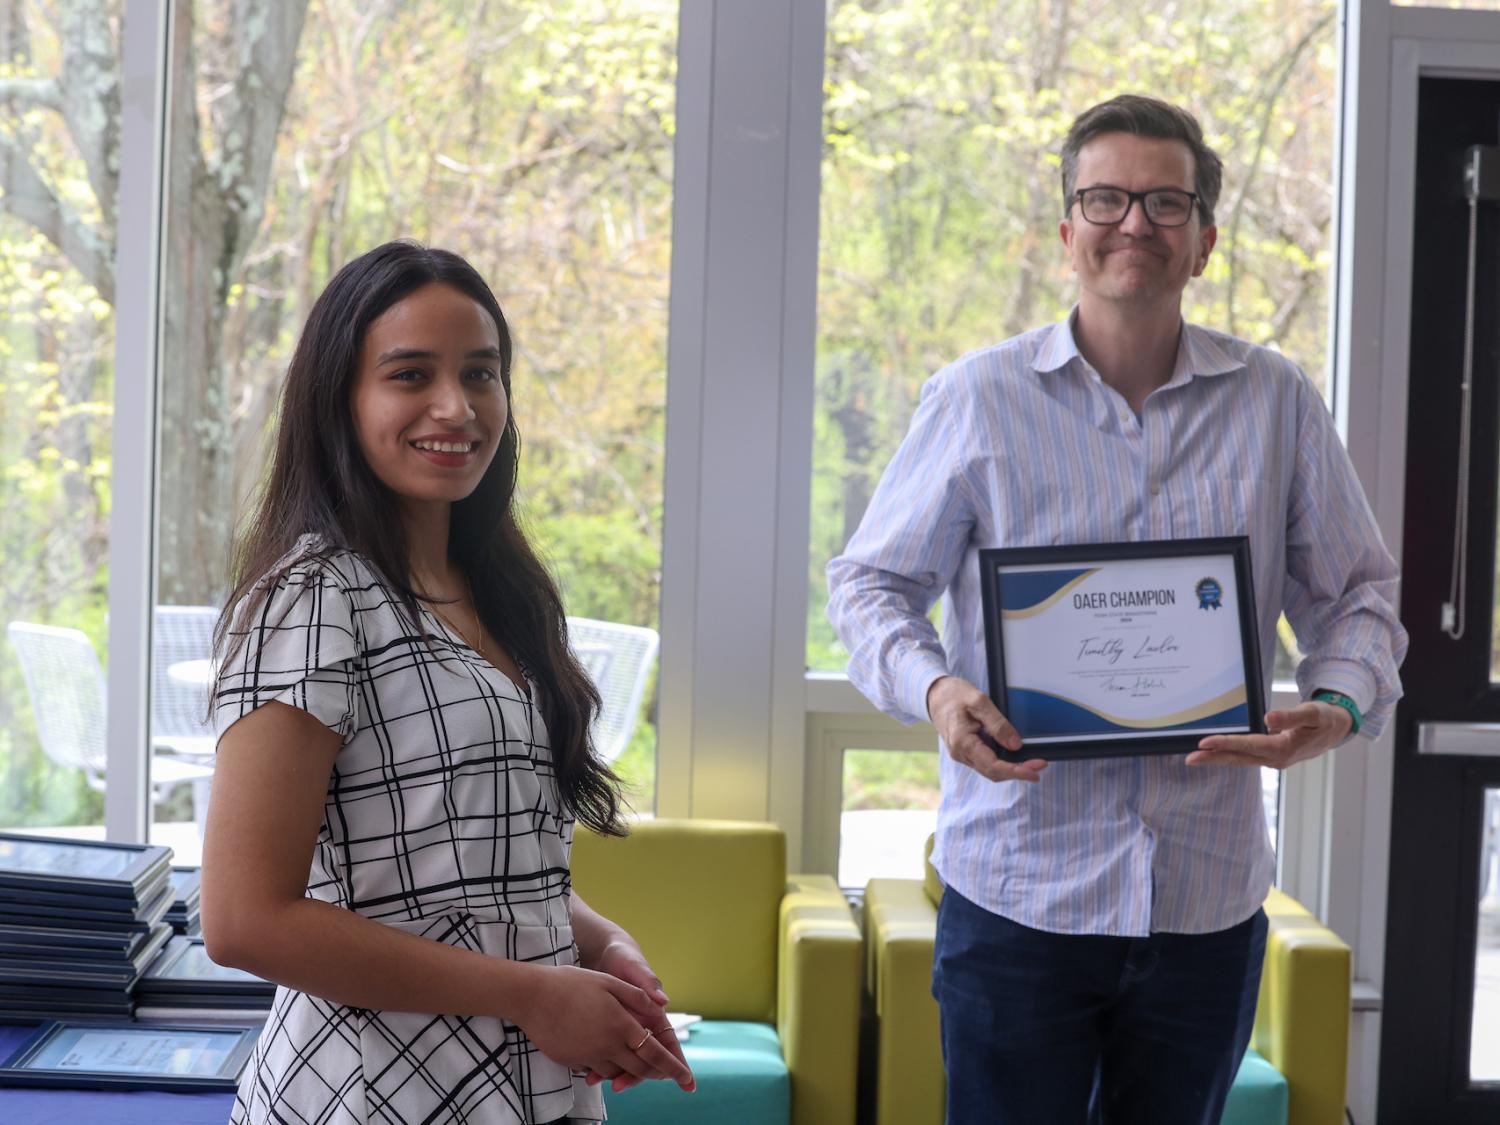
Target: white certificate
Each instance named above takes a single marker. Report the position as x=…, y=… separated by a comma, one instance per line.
x=131, y=1056
x=144, y=1052
x=1155, y=647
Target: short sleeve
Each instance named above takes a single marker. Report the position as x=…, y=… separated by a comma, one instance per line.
x=297, y=648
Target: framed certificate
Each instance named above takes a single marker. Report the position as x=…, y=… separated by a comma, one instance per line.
x=114, y=943
x=1103, y=650
x=138, y=919
x=128, y=873
x=130, y=1056
x=62, y=967
x=186, y=884
x=183, y=967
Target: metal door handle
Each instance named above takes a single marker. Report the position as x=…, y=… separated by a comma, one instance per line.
x=1470, y=740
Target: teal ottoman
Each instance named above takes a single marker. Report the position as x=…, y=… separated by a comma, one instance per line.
x=741, y=1079
x=1258, y=1096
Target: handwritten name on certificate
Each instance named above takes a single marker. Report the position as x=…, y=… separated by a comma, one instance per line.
x=1125, y=649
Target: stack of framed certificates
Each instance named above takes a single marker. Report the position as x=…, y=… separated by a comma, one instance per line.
x=183, y=914
x=79, y=923
x=183, y=984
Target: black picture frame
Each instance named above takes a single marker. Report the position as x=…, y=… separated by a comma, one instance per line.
x=85, y=970
x=140, y=917
x=28, y=1064
x=115, y=942
x=186, y=884
x=129, y=872
x=179, y=968
x=994, y=561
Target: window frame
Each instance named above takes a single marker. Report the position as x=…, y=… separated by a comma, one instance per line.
x=134, y=432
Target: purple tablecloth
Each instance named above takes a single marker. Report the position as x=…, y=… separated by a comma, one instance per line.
x=20, y=1106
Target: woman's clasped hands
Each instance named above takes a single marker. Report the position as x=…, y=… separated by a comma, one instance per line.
x=611, y=1022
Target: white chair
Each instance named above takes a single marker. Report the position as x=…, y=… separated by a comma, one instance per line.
x=619, y=659
x=182, y=637
x=66, y=686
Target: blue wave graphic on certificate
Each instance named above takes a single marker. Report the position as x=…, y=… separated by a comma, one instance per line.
x=1028, y=593
x=1040, y=715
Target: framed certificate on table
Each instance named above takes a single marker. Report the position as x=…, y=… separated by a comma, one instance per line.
x=51, y=863
x=130, y=1056
x=183, y=967
x=1104, y=650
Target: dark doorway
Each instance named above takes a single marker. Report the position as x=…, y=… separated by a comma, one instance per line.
x=1440, y=1040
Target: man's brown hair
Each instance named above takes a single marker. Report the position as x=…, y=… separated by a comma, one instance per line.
x=1145, y=117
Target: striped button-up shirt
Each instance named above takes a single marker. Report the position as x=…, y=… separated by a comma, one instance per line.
x=1022, y=444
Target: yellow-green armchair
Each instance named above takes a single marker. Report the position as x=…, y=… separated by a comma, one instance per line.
x=1301, y=1024
x=771, y=961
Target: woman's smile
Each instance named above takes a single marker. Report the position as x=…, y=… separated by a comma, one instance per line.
x=450, y=451
x=428, y=402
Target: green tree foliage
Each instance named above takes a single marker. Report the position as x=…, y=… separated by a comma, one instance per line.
x=56, y=389
x=889, y=779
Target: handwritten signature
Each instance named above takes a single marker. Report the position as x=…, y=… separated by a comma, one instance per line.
x=1136, y=685
x=1112, y=649
x=1109, y=651
x=1148, y=648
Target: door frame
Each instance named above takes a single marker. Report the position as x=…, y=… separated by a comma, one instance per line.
x=1390, y=50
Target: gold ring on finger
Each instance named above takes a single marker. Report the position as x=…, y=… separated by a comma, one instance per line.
x=642, y=1043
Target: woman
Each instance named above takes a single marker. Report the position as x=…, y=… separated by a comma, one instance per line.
x=403, y=745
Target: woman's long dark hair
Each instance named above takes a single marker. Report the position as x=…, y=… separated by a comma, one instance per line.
x=320, y=483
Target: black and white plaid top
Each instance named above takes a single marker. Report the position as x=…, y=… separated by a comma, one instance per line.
x=442, y=819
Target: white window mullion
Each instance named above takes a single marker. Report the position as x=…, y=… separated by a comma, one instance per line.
x=143, y=96
x=739, y=414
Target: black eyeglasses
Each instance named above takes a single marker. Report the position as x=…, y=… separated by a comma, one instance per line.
x=1164, y=207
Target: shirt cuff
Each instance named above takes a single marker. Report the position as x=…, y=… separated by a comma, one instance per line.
x=919, y=672
x=1346, y=677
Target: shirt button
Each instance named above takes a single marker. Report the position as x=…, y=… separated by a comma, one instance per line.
x=1155, y=489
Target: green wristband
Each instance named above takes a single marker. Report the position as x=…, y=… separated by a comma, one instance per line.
x=1339, y=699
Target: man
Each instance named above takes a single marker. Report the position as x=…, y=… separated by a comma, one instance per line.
x=1100, y=940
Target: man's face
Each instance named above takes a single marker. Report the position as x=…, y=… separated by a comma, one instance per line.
x=1134, y=262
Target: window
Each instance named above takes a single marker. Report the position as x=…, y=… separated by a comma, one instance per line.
x=536, y=140
x=59, y=169
x=890, y=800
x=1484, y=1035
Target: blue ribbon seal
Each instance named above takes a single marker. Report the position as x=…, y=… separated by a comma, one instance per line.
x=1210, y=593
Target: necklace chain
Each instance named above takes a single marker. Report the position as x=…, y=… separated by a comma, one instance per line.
x=474, y=610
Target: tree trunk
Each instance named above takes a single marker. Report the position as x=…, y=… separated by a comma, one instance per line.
x=212, y=214
x=194, y=519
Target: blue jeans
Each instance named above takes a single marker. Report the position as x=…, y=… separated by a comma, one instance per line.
x=1063, y=1029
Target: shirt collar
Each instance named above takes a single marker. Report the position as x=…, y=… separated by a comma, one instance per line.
x=1059, y=348
x=1198, y=352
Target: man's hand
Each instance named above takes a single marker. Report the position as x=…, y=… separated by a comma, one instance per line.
x=1303, y=732
x=961, y=712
